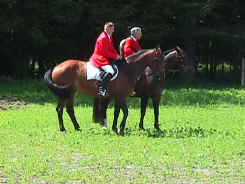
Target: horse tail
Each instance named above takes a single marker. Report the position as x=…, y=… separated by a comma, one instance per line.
x=61, y=91
x=99, y=110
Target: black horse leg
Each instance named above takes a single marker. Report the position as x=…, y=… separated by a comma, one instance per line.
x=70, y=111
x=116, y=114
x=156, y=101
x=144, y=101
x=105, y=106
x=59, y=110
x=124, y=108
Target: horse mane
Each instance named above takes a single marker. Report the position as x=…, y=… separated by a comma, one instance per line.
x=166, y=52
x=137, y=56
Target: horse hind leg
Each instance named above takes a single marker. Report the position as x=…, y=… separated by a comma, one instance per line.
x=59, y=110
x=70, y=111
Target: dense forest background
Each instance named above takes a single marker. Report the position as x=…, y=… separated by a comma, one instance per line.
x=35, y=35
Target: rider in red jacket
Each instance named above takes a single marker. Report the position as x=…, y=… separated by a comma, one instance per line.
x=104, y=51
x=132, y=44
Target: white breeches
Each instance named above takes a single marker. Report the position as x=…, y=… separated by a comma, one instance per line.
x=108, y=69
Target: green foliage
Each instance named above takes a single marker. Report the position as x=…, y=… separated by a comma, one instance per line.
x=47, y=32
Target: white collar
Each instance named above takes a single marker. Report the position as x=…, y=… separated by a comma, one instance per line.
x=133, y=38
x=108, y=35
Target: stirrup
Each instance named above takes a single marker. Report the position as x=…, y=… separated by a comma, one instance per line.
x=102, y=91
x=133, y=94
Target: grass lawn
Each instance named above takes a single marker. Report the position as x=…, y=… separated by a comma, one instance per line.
x=202, y=139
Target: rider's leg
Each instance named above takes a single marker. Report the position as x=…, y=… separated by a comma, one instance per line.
x=105, y=78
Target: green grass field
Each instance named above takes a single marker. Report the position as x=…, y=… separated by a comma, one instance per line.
x=203, y=139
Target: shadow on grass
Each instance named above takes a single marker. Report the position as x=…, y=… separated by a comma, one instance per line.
x=178, y=132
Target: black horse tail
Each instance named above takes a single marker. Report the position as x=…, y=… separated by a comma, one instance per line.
x=61, y=91
x=99, y=109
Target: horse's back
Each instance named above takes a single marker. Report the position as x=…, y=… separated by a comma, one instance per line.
x=68, y=71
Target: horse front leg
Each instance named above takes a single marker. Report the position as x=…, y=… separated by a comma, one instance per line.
x=59, y=110
x=156, y=101
x=144, y=101
x=116, y=114
x=124, y=108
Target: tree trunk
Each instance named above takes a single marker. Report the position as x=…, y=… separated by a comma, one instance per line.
x=242, y=71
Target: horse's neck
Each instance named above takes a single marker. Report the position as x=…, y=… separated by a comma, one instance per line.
x=137, y=68
x=169, y=57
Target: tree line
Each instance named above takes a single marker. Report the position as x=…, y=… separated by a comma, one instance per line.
x=38, y=34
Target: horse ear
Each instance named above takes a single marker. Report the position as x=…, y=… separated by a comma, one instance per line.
x=158, y=50
x=179, y=49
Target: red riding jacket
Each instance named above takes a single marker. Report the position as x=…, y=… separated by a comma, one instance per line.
x=131, y=46
x=103, y=51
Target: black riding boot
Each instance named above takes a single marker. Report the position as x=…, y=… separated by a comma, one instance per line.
x=102, y=90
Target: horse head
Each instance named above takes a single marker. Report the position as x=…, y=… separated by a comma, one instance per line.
x=186, y=63
x=175, y=60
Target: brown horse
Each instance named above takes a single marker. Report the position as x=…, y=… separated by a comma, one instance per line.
x=150, y=83
x=70, y=76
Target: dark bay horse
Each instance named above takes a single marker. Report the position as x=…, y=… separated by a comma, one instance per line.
x=150, y=83
x=70, y=76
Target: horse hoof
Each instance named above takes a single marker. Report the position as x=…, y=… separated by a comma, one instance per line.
x=142, y=128
x=64, y=131
x=158, y=129
x=78, y=129
x=115, y=130
x=121, y=133
x=104, y=126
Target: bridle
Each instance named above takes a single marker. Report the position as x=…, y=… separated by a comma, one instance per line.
x=163, y=62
